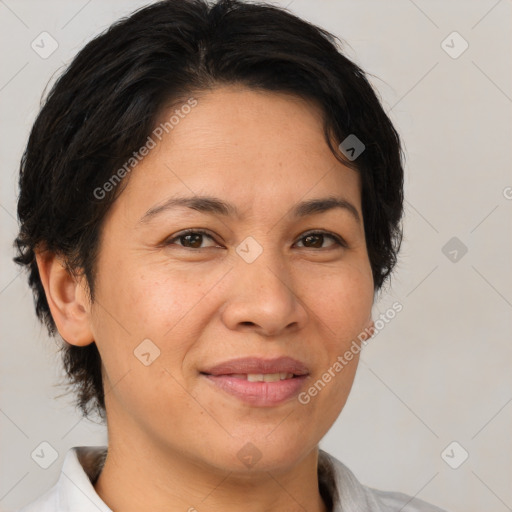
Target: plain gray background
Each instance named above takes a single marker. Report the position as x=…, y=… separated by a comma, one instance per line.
x=440, y=371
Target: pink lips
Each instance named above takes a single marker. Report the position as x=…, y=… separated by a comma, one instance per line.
x=258, y=393
x=259, y=365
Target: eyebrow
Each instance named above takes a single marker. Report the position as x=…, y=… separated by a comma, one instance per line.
x=214, y=205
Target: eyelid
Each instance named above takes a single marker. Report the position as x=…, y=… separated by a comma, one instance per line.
x=337, y=238
x=185, y=232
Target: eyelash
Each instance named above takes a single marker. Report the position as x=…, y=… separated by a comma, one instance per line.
x=339, y=241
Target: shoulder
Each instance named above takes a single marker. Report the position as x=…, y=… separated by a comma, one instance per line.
x=74, y=490
x=348, y=493
x=398, y=501
x=47, y=502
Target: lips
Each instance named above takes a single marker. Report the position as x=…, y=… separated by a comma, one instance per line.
x=258, y=366
x=259, y=382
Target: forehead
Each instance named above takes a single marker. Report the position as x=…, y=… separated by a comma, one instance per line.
x=259, y=150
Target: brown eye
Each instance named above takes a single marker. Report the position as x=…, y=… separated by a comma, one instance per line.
x=314, y=240
x=190, y=239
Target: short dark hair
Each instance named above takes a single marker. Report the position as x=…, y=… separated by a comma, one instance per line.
x=106, y=103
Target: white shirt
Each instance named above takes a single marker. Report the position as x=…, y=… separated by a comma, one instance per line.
x=74, y=491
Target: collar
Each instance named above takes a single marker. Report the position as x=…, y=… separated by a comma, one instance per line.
x=82, y=465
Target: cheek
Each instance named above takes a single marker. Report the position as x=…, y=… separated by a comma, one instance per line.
x=136, y=307
x=147, y=301
x=342, y=300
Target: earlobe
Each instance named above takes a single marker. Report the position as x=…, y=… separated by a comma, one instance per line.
x=369, y=329
x=66, y=298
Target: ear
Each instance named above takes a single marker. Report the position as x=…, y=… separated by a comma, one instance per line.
x=67, y=299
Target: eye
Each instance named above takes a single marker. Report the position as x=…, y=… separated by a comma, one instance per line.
x=315, y=238
x=192, y=238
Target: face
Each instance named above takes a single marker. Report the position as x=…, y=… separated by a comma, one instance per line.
x=257, y=283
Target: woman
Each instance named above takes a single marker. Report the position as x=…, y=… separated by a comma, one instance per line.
x=209, y=200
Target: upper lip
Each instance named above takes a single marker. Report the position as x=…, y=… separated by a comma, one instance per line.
x=257, y=365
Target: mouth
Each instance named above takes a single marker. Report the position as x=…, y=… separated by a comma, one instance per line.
x=278, y=368
x=258, y=377
x=258, y=389
x=258, y=381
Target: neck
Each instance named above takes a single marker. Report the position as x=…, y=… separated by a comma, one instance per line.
x=140, y=477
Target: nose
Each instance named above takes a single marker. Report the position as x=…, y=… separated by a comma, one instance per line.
x=262, y=298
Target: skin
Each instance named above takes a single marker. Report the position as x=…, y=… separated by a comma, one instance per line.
x=174, y=437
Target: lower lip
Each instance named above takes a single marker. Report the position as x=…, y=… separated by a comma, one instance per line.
x=262, y=394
